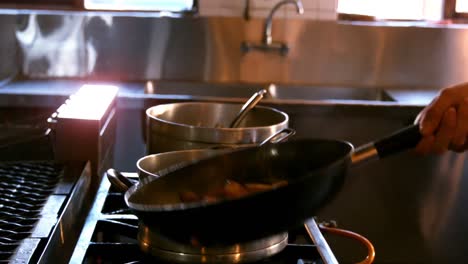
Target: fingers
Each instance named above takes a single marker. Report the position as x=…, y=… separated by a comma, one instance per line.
x=432, y=115
x=446, y=131
x=418, y=118
x=444, y=122
x=442, y=139
x=461, y=132
x=425, y=145
x=459, y=148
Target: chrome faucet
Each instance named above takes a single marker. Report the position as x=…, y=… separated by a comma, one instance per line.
x=267, y=39
x=267, y=42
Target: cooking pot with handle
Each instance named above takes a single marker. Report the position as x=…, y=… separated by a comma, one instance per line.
x=196, y=125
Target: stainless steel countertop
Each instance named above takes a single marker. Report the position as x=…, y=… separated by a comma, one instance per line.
x=52, y=93
x=414, y=96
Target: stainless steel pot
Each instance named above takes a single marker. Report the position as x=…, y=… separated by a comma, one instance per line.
x=197, y=125
x=150, y=166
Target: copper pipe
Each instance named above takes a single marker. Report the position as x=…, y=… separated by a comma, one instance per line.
x=342, y=232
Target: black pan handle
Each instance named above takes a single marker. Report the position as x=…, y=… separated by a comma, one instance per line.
x=403, y=139
x=406, y=138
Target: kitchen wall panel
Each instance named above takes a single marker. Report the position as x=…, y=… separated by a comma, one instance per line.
x=313, y=9
x=326, y=53
x=9, y=52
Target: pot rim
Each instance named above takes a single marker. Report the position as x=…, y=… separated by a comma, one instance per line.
x=170, y=153
x=212, y=135
x=149, y=115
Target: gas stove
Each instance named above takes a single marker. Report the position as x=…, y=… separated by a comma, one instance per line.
x=39, y=196
x=111, y=230
x=49, y=174
x=44, y=204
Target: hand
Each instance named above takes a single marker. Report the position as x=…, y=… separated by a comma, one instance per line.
x=444, y=122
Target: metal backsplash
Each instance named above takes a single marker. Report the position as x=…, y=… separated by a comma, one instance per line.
x=9, y=60
x=118, y=47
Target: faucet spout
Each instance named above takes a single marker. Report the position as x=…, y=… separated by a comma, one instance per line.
x=267, y=41
x=267, y=38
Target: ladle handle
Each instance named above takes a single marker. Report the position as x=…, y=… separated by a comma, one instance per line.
x=401, y=140
x=251, y=103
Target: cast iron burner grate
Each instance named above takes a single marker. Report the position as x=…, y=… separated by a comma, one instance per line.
x=24, y=188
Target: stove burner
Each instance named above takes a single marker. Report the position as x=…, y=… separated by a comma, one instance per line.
x=169, y=250
x=112, y=234
x=24, y=188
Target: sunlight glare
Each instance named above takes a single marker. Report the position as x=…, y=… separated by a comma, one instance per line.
x=140, y=5
x=89, y=102
x=394, y=9
x=461, y=6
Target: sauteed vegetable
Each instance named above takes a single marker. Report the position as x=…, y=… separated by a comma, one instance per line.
x=230, y=190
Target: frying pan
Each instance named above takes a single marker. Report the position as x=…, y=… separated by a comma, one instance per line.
x=314, y=169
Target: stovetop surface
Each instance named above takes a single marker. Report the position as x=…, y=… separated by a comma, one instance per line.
x=114, y=241
x=25, y=191
x=110, y=236
x=32, y=190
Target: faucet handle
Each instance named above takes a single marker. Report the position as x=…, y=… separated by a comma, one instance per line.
x=247, y=10
x=267, y=43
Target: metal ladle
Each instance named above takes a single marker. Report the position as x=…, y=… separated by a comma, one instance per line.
x=249, y=105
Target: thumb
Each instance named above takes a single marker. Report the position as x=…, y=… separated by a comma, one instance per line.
x=428, y=123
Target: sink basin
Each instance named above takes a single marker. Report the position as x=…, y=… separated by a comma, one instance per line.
x=327, y=93
x=280, y=92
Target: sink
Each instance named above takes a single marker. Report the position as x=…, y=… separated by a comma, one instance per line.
x=327, y=93
x=280, y=92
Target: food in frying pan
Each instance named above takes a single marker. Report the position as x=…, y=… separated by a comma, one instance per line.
x=230, y=190
x=189, y=197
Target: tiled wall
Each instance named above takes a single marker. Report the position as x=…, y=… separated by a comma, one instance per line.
x=313, y=9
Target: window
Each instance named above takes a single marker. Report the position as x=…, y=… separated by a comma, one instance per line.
x=461, y=6
x=141, y=5
x=393, y=9
x=40, y=4
x=456, y=9
x=111, y=5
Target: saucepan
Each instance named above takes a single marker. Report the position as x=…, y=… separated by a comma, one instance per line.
x=150, y=166
x=200, y=125
x=289, y=182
